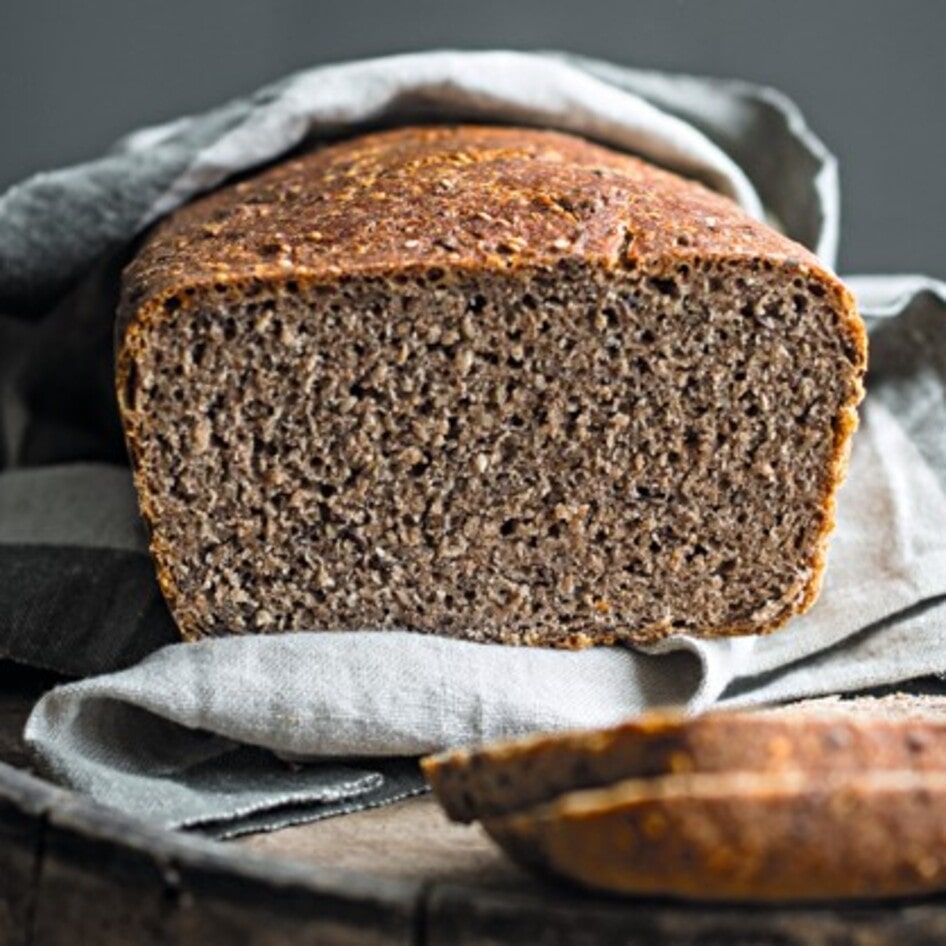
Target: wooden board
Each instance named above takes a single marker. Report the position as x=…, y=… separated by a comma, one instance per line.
x=411, y=840
x=73, y=872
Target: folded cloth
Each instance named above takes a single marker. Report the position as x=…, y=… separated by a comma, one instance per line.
x=250, y=732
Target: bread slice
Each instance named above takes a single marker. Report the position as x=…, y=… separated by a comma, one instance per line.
x=495, y=383
x=743, y=836
x=817, y=736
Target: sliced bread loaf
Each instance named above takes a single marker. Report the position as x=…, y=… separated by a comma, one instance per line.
x=823, y=799
x=769, y=836
x=817, y=736
x=494, y=383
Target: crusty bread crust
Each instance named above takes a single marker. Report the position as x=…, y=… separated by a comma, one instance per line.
x=785, y=836
x=470, y=188
x=504, y=217
x=821, y=799
x=816, y=736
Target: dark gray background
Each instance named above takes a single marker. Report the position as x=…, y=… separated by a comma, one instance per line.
x=867, y=74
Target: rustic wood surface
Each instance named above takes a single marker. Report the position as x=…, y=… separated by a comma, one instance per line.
x=72, y=872
x=410, y=840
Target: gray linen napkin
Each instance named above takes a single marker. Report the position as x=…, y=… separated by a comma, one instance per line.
x=254, y=732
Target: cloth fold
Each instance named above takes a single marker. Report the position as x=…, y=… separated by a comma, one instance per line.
x=249, y=733
x=168, y=737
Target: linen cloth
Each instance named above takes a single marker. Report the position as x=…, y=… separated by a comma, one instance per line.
x=253, y=732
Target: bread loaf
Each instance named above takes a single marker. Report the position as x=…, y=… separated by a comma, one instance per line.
x=817, y=736
x=495, y=383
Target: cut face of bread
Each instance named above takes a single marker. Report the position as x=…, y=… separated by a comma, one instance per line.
x=743, y=836
x=498, y=384
x=817, y=736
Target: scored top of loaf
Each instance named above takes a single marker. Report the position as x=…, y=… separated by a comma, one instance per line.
x=407, y=198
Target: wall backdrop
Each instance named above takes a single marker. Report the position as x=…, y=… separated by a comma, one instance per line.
x=867, y=73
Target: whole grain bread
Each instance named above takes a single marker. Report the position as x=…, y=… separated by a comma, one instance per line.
x=770, y=836
x=816, y=736
x=496, y=383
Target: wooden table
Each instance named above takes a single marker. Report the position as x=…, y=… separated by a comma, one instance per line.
x=74, y=873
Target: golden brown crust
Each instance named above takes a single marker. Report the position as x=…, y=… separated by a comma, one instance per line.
x=482, y=197
x=391, y=203
x=743, y=836
x=823, y=799
x=816, y=736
